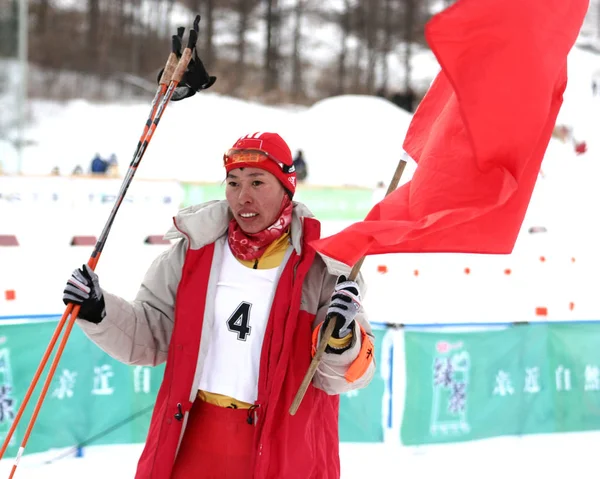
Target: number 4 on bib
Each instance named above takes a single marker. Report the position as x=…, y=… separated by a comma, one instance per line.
x=238, y=321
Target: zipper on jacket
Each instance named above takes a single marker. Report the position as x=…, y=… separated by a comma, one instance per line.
x=252, y=418
x=255, y=264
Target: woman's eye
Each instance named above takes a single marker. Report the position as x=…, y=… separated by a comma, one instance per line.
x=231, y=183
x=257, y=183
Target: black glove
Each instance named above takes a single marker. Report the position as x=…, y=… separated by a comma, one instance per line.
x=344, y=306
x=83, y=288
x=196, y=77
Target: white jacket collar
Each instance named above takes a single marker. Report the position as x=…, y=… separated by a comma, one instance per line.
x=204, y=223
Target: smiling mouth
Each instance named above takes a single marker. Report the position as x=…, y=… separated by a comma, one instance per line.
x=248, y=215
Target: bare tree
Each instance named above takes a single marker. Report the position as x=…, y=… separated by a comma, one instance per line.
x=129, y=39
x=410, y=20
x=42, y=17
x=243, y=10
x=135, y=43
x=209, y=24
x=371, y=25
x=357, y=19
x=271, y=70
x=297, y=84
x=346, y=28
x=93, y=30
x=386, y=45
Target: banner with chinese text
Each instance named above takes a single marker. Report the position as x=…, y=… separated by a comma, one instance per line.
x=90, y=392
x=95, y=396
x=526, y=379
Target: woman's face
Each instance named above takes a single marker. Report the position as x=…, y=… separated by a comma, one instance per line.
x=255, y=197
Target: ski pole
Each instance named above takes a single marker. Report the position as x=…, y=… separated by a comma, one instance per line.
x=163, y=83
x=72, y=310
x=169, y=68
x=326, y=335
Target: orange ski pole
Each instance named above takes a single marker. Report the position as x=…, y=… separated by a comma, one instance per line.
x=177, y=68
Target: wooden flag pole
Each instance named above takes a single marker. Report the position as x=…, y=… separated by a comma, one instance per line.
x=326, y=335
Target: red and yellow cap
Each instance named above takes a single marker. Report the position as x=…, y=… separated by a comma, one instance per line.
x=267, y=151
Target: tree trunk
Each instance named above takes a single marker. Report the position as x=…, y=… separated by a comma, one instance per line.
x=372, y=27
x=359, y=51
x=271, y=80
x=135, y=44
x=386, y=47
x=93, y=30
x=208, y=55
x=345, y=27
x=410, y=17
x=296, y=55
x=42, y=22
x=243, y=14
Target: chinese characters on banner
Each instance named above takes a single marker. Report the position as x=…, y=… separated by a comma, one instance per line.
x=526, y=379
x=451, y=369
x=90, y=392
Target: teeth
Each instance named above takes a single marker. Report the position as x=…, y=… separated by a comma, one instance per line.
x=247, y=215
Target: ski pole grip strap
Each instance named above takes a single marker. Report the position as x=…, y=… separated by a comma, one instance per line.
x=168, y=70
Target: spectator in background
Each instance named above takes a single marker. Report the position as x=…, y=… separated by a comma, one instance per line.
x=113, y=165
x=98, y=166
x=300, y=166
x=78, y=170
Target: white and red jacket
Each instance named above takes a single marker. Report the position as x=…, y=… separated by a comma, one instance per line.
x=174, y=307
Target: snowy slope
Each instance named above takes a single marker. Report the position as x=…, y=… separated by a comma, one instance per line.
x=343, y=147
x=347, y=140
x=561, y=455
x=336, y=134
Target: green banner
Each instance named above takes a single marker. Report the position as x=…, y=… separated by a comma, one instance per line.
x=336, y=203
x=525, y=379
x=196, y=193
x=361, y=411
x=89, y=394
x=93, y=395
x=326, y=203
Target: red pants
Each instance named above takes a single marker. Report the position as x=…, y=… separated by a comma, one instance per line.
x=217, y=444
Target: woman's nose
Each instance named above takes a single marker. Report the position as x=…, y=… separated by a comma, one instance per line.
x=245, y=195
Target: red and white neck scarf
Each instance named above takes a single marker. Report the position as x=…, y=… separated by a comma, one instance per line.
x=250, y=246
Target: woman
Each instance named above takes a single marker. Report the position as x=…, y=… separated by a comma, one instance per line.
x=235, y=309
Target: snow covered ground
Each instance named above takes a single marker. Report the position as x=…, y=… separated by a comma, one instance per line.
x=338, y=135
x=566, y=455
x=347, y=140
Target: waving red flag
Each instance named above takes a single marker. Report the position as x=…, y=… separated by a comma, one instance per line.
x=480, y=133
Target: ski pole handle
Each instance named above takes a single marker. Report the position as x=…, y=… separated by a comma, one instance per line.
x=171, y=64
x=186, y=56
x=326, y=335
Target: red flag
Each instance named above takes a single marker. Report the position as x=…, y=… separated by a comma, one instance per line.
x=480, y=133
